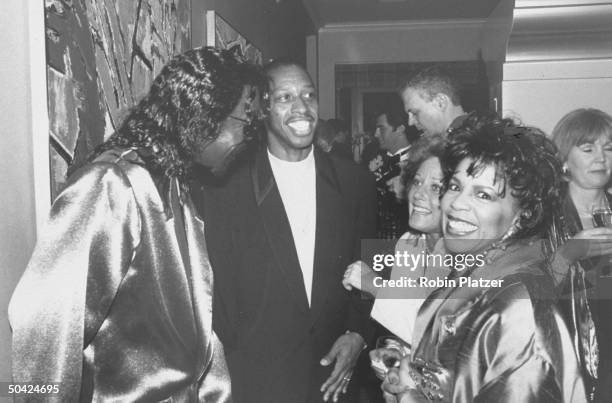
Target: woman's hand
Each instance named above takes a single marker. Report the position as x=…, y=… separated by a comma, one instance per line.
x=377, y=359
x=360, y=276
x=399, y=385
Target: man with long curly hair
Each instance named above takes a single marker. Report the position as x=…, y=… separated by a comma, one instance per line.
x=116, y=301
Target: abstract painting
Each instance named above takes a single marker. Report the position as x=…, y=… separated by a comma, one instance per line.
x=102, y=56
x=221, y=34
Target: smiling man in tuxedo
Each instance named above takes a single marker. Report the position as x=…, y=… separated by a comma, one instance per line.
x=281, y=233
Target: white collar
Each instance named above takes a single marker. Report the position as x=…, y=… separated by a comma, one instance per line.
x=402, y=150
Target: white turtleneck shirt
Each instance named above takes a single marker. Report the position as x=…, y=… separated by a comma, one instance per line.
x=296, y=182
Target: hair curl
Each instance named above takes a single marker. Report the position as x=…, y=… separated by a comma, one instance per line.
x=525, y=161
x=183, y=110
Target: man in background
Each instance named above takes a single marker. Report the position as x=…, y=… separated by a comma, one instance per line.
x=394, y=137
x=332, y=137
x=432, y=101
x=281, y=233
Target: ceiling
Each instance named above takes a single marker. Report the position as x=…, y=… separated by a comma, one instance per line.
x=332, y=12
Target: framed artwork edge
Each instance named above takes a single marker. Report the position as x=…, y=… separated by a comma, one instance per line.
x=40, y=119
x=248, y=50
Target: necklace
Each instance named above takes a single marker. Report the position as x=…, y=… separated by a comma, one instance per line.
x=602, y=204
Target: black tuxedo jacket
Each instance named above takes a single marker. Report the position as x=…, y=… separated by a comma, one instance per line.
x=272, y=338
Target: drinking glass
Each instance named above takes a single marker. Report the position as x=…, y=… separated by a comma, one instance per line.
x=389, y=352
x=602, y=217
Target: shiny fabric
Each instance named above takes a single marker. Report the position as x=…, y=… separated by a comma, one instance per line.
x=108, y=307
x=585, y=291
x=505, y=344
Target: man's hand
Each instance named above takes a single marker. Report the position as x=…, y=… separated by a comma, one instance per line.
x=345, y=352
x=396, y=187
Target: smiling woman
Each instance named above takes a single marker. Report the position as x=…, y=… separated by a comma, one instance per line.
x=584, y=138
x=476, y=208
x=483, y=343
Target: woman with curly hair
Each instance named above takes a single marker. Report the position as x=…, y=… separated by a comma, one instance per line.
x=492, y=332
x=116, y=301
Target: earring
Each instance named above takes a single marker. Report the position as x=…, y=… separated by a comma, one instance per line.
x=565, y=171
x=515, y=228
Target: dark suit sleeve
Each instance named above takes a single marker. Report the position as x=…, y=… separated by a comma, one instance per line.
x=366, y=213
x=360, y=305
x=215, y=207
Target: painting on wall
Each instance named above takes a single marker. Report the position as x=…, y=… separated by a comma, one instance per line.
x=221, y=34
x=102, y=56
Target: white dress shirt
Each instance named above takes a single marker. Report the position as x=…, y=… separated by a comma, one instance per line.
x=296, y=182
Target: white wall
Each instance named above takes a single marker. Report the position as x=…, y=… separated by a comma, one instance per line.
x=540, y=93
x=17, y=205
x=312, y=57
x=559, y=58
x=391, y=43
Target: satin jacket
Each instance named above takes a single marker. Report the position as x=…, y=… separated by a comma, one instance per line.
x=116, y=302
x=504, y=344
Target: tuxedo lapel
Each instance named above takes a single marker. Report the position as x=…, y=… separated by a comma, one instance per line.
x=329, y=206
x=277, y=228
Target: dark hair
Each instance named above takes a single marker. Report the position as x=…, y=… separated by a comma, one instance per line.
x=394, y=111
x=338, y=125
x=370, y=151
x=331, y=134
x=324, y=135
x=424, y=149
x=281, y=62
x=525, y=161
x=435, y=80
x=268, y=70
x=184, y=108
x=580, y=126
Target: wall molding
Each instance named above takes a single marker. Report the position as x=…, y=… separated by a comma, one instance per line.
x=401, y=25
x=562, y=3
x=555, y=30
x=560, y=70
